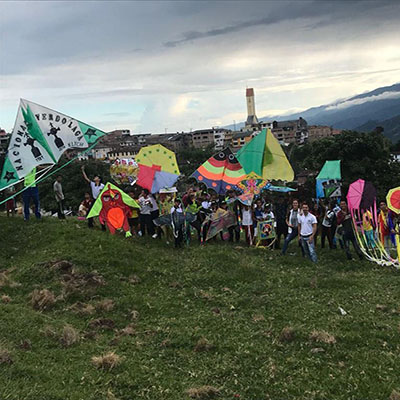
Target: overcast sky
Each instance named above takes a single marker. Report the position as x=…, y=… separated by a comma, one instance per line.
x=185, y=65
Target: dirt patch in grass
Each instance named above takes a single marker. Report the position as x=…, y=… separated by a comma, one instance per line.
x=322, y=337
x=102, y=324
x=203, y=392
x=6, y=281
x=5, y=357
x=83, y=309
x=42, y=299
x=5, y=299
x=107, y=361
x=288, y=334
x=80, y=283
x=105, y=305
x=203, y=345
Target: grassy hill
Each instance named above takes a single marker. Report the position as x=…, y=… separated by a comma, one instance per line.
x=220, y=320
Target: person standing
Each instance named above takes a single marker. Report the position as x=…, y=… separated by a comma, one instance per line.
x=292, y=223
x=345, y=221
x=307, y=228
x=247, y=224
x=386, y=226
x=327, y=222
x=96, y=187
x=31, y=192
x=59, y=195
x=281, y=227
x=146, y=206
x=233, y=206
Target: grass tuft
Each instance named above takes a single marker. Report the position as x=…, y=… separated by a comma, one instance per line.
x=107, y=361
x=5, y=299
x=287, y=335
x=69, y=336
x=42, y=299
x=203, y=392
x=395, y=395
x=203, y=345
x=322, y=337
x=5, y=357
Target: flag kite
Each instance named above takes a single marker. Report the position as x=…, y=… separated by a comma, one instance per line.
x=113, y=206
x=157, y=168
x=40, y=136
x=328, y=181
x=220, y=172
x=264, y=156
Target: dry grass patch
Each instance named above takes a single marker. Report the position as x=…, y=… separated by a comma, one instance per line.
x=102, y=323
x=128, y=331
x=203, y=345
x=6, y=281
x=134, y=280
x=203, y=392
x=105, y=305
x=287, y=335
x=5, y=299
x=322, y=337
x=107, y=361
x=5, y=357
x=134, y=314
x=83, y=308
x=258, y=318
x=69, y=336
x=42, y=299
x=395, y=395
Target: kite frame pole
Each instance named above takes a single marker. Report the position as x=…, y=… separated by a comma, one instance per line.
x=48, y=175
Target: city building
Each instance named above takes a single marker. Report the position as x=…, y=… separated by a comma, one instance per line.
x=316, y=132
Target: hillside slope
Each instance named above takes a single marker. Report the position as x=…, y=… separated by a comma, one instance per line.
x=185, y=319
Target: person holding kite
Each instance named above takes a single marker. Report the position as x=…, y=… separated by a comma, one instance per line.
x=96, y=186
x=345, y=225
x=386, y=226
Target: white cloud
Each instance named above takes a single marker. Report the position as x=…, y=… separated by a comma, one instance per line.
x=355, y=102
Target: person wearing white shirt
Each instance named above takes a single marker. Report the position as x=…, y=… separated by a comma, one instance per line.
x=96, y=187
x=307, y=228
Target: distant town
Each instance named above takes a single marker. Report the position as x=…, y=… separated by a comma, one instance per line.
x=122, y=143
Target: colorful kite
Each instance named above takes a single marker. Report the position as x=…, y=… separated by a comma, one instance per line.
x=393, y=200
x=220, y=172
x=264, y=156
x=251, y=186
x=113, y=206
x=328, y=181
x=219, y=221
x=361, y=200
x=157, y=168
x=124, y=171
x=40, y=136
x=393, y=203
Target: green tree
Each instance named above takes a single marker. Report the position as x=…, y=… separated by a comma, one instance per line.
x=363, y=155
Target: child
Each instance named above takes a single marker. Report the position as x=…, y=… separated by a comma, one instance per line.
x=177, y=225
x=10, y=204
x=134, y=218
x=247, y=224
x=85, y=207
x=368, y=228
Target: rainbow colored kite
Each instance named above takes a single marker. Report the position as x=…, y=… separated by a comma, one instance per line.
x=220, y=172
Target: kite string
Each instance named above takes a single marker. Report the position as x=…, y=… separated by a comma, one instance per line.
x=48, y=175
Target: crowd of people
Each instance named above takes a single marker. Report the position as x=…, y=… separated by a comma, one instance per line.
x=308, y=224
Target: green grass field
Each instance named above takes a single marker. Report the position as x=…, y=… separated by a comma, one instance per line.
x=184, y=319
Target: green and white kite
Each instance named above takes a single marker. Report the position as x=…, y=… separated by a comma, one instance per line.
x=40, y=136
